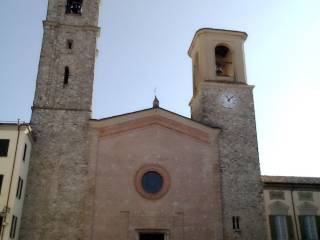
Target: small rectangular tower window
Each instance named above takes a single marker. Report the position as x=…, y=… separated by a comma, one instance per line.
x=74, y=6
x=1, y=181
x=25, y=152
x=13, y=227
x=4, y=146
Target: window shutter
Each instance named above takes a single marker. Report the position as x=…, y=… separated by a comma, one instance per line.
x=318, y=224
x=290, y=227
x=273, y=227
x=302, y=230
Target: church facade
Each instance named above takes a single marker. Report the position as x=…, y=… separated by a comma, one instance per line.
x=151, y=174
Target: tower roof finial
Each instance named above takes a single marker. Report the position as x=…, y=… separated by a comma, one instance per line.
x=156, y=102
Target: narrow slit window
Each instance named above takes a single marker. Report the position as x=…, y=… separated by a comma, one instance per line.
x=66, y=75
x=236, y=223
x=13, y=227
x=25, y=152
x=69, y=44
x=1, y=181
x=1, y=222
x=233, y=223
x=19, y=188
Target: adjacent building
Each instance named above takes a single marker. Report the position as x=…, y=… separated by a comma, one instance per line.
x=292, y=207
x=15, y=148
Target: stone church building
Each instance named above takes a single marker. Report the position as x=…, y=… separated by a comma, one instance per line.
x=146, y=175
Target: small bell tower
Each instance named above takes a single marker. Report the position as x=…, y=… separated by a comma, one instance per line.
x=222, y=98
x=218, y=56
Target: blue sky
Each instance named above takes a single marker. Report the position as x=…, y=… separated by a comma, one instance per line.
x=144, y=45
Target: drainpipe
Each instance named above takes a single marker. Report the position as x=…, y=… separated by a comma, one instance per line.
x=11, y=177
x=294, y=213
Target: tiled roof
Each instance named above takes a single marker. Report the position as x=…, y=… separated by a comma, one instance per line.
x=290, y=180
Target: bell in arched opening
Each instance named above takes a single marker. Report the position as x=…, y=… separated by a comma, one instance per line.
x=224, y=65
x=74, y=6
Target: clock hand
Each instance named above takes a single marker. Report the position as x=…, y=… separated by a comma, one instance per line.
x=229, y=98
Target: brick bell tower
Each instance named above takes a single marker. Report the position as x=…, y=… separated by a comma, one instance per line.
x=55, y=204
x=222, y=98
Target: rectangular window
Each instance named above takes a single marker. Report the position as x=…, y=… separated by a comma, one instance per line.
x=276, y=195
x=4, y=146
x=25, y=152
x=19, y=188
x=13, y=227
x=305, y=196
x=281, y=227
x=308, y=227
x=1, y=181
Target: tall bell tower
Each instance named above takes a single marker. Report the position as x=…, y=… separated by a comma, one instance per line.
x=222, y=98
x=55, y=204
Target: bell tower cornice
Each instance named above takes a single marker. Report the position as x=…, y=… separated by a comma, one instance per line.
x=203, y=31
x=53, y=24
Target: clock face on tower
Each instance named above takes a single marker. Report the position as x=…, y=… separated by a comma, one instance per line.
x=229, y=99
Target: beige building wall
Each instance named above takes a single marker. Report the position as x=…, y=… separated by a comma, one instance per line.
x=292, y=197
x=13, y=167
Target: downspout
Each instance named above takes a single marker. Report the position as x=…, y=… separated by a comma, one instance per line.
x=11, y=177
x=294, y=213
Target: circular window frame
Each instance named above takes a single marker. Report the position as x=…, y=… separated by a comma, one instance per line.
x=152, y=168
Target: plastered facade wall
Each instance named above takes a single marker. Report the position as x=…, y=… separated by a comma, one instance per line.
x=14, y=167
x=293, y=203
x=190, y=209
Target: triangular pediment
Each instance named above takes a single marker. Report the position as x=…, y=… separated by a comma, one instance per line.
x=154, y=116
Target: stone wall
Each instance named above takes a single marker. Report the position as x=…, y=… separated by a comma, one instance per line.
x=57, y=183
x=57, y=190
x=241, y=184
